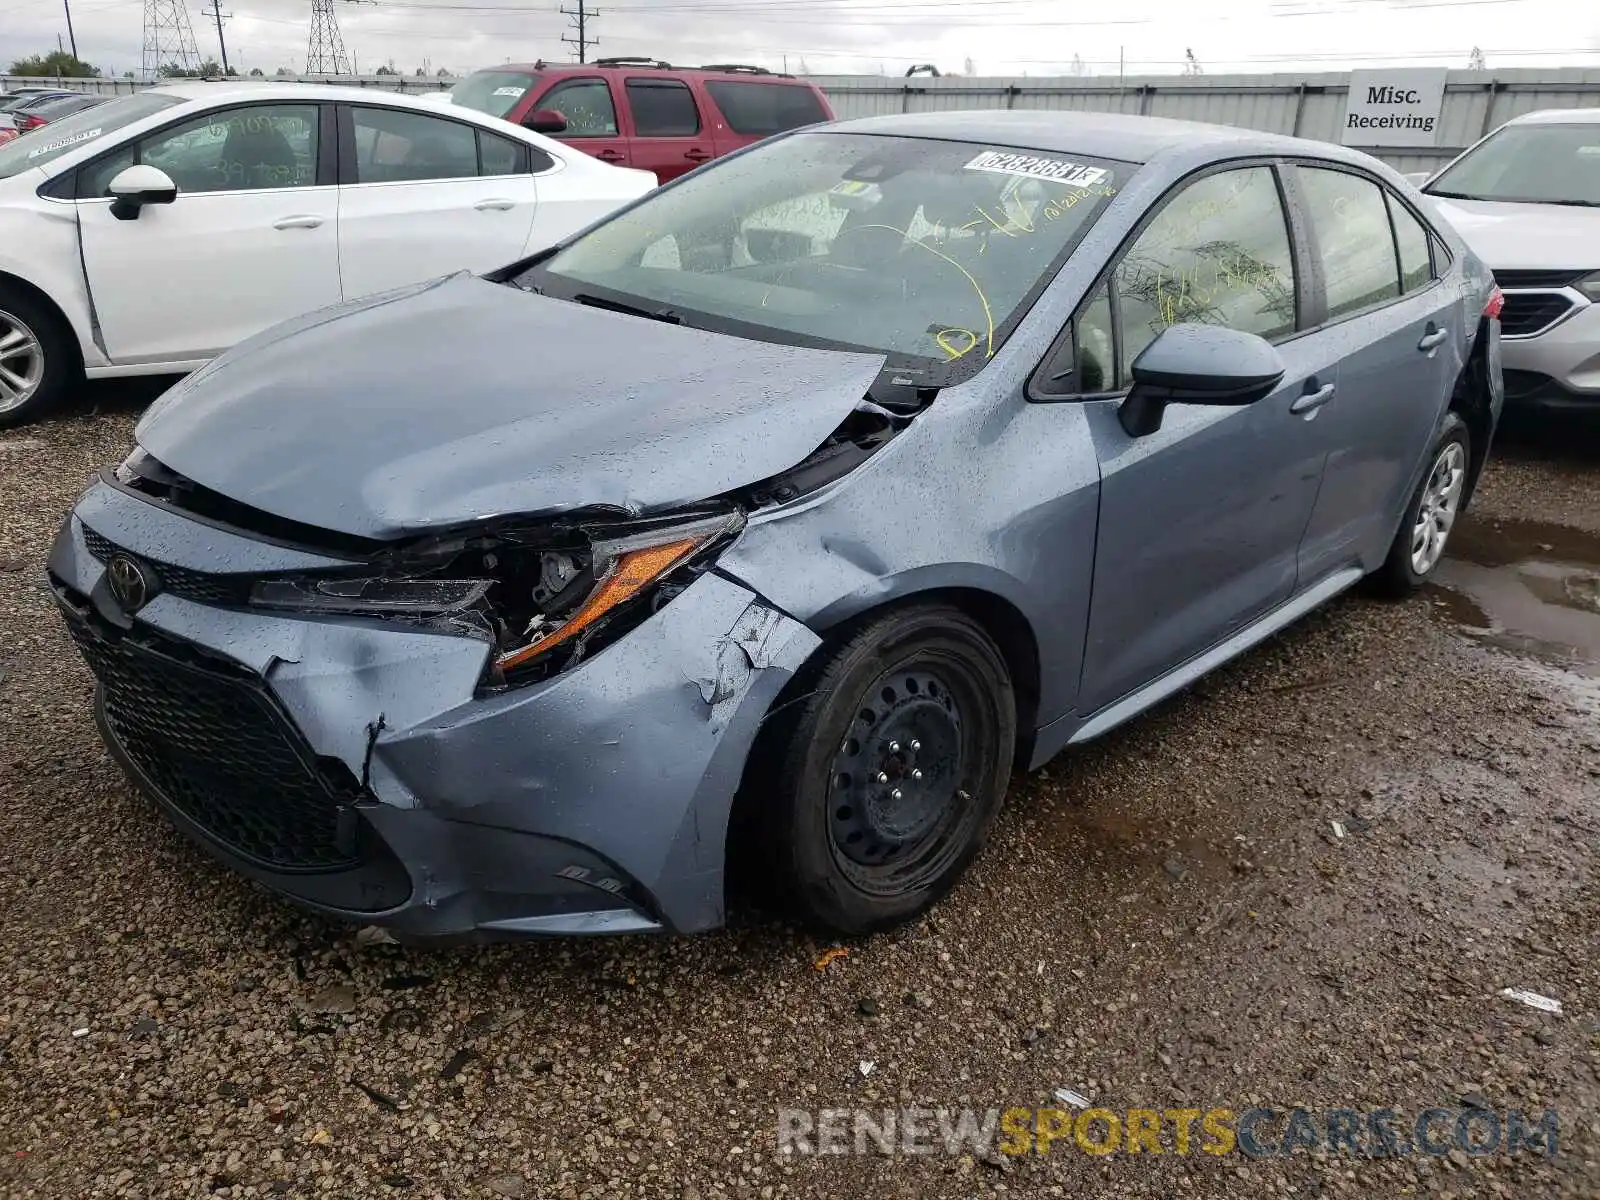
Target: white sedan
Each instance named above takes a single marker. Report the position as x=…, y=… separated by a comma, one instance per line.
x=151, y=233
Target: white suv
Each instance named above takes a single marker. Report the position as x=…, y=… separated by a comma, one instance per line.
x=1527, y=200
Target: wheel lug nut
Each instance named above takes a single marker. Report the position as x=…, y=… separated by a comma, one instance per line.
x=915, y=746
x=895, y=795
x=894, y=747
x=883, y=777
x=916, y=774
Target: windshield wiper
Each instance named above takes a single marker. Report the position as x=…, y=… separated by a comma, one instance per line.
x=633, y=310
x=1511, y=199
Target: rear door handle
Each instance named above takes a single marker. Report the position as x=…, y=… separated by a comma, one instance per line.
x=499, y=205
x=1309, y=402
x=305, y=221
x=1433, y=339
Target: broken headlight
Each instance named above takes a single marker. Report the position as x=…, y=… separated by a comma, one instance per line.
x=540, y=597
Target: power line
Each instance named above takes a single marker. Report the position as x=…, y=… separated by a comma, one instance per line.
x=580, y=18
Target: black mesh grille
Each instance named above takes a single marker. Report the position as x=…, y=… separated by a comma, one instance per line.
x=1529, y=312
x=1536, y=279
x=217, y=747
x=219, y=590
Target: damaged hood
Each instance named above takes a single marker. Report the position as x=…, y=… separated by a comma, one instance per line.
x=461, y=399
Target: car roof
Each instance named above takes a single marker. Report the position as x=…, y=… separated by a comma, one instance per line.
x=1116, y=136
x=1559, y=116
x=231, y=90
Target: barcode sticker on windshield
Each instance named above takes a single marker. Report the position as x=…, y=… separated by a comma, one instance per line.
x=1057, y=170
x=509, y=91
x=63, y=143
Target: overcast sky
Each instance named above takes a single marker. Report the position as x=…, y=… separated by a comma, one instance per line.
x=1034, y=37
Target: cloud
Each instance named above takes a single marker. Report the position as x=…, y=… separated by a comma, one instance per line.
x=1034, y=37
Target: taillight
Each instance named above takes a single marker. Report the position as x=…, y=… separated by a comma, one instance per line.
x=1497, y=301
x=27, y=123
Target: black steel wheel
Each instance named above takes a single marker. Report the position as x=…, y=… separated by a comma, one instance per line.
x=885, y=771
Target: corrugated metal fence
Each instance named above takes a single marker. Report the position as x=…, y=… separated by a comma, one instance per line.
x=1311, y=106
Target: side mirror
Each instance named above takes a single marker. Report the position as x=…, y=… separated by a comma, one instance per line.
x=1198, y=364
x=545, y=120
x=134, y=187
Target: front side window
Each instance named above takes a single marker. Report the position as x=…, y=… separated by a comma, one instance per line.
x=1351, y=220
x=398, y=147
x=919, y=249
x=1555, y=163
x=1411, y=240
x=762, y=109
x=78, y=130
x=1216, y=254
x=587, y=106
x=237, y=149
x=662, y=108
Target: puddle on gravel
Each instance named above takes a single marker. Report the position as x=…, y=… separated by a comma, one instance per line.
x=1530, y=589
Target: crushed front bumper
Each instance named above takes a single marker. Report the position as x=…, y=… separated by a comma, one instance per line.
x=357, y=767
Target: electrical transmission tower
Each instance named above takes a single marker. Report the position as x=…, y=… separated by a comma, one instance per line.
x=325, y=52
x=580, y=22
x=168, y=38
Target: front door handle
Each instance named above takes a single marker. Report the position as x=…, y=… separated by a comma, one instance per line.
x=697, y=154
x=1309, y=402
x=608, y=156
x=306, y=221
x=1433, y=339
x=496, y=204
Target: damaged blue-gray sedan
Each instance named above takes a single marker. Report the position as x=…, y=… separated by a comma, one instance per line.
x=761, y=530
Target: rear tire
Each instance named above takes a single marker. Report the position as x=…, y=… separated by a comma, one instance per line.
x=38, y=359
x=874, y=790
x=1430, y=516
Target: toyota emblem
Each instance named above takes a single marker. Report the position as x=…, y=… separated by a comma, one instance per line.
x=129, y=583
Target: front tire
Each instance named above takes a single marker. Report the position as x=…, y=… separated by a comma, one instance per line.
x=37, y=358
x=1429, y=518
x=883, y=782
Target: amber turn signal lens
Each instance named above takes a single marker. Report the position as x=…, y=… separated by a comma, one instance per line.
x=630, y=575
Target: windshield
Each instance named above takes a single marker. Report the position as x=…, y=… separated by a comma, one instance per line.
x=493, y=92
x=70, y=132
x=919, y=249
x=1550, y=164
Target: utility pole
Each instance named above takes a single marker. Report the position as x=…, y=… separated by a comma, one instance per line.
x=216, y=11
x=580, y=18
x=71, y=37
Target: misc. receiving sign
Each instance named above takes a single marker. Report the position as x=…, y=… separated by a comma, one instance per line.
x=1394, y=107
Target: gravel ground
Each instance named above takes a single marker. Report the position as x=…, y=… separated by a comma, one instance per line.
x=1165, y=919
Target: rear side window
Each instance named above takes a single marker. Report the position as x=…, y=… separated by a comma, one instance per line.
x=662, y=108
x=1217, y=254
x=1411, y=240
x=394, y=147
x=759, y=109
x=502, y=156
x=1351, y=219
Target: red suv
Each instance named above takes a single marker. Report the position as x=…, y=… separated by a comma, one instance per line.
x=637, y=112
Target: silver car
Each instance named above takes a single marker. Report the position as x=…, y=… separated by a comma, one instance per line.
x=1527, y=200
x=759, y=531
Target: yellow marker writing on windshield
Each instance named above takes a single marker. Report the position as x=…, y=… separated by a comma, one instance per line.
x=956, y=342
